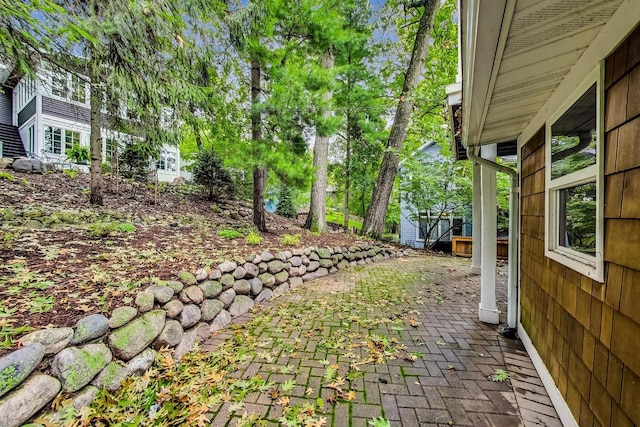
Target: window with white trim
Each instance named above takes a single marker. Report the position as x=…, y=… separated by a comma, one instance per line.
x=53, y=140
x=573, y=233
x=59, y=84
x=167, y=161
x=78, y=89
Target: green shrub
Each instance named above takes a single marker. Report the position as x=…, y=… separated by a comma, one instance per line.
x=229, y=234
x=7, y=176
x=70, y=173
x=102, y=229
x=253, y=238
x=78, y=154
x=208, y=171
x=285, y=205
x=291, y=239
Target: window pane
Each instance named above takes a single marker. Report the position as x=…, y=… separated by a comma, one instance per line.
x=78, y=89
x=574, y=137
x=423, y=227
x=577, y=218
x=59, y=84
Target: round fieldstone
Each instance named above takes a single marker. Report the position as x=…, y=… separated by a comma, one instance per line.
x=53, y=340
x=17, y=365
x=203, y=331
x=313, y=266
x=175, y=285
x=239, y=273
x=76, y=367
x=305, y=260
x=220, y=321
x=187, y=278
x=251, y=270
x=139, y=364
x=85, y=397
x=242, y=287
x=262, y=267
x=256, y=286
x=294, y=282
x=326, y=263
x=189, y=339
x=210, y=289
x=266, y=256
x=201, y=275
x=170, y=336
x=192, y=294
x=264, y=295
x=321, y=272
x=190, y=316
x=19, y=406
x=281, y=277
x=267, y=279
x=313, y=256
x=144, y=301
x=129, y=340
x=281, y=289
x=295, y=261
x=227, y=266
x=227, y=280
x=89, y=328
x=162, y=294
x=215, y=274
x=210, y=309
x=110, y=377
x=284, y=255
x=121, y=316
x=173, y=308
x=252, y=258
x=275, y=266
x=227, y=297
x=241, y=305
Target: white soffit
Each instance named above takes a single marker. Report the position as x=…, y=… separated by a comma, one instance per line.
x=544, y=41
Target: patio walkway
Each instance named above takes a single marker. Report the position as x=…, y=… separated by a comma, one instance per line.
x=398, y=339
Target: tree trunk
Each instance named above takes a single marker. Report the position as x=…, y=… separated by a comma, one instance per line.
x=316, y=220
x=347, y=177
x=374, y=220
x=259, y=172
x=96, y=141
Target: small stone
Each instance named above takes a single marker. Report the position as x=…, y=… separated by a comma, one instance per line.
x=89, y=328
x=313, y=266
x=190, y=316
x=121, y=316
x=262, y=267
x=284, y=255
x=19, y=406
x=139, y=364
x=251, y=258
x=295, y=261
x=275, y=266
x=110, y=377
x=239, y=273
x=227, y=266
x=241, y=305
x=203, y=331
x=144, y=301
x=251, y=270
x=192, y=294
x=294, y=282
x=175, y=285
x=267, y=279
x=266, y=256
x=170, y=336
x=332, y=270
x=280, y=290
x=85, y=397
x=227, y=297
x=256, y=286
x=305, y=260
x=129, y=340
x=321, y=272
x=297, y=252
x=210, y=289
x=187, y=278
x=326, y=263
x=215, y=274
x=257, y=259
x=201, y=275
x=162, y=294
x=173, y=308
x=281, y=277
x=186, y=344
x=313, y=256
x=265, y=295
x=343, y=264
x=210, y=308
x=242, y=287
x=53, y=340
x=17, y=365
x=221, y=320
x=294, y=271
x=227, y=281
x=76, y=367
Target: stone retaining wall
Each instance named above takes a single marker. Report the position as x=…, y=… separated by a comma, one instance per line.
x=99, y=352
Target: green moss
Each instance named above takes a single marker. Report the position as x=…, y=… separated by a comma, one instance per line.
x=187, y=278
x=111, y=372
x=8, y=378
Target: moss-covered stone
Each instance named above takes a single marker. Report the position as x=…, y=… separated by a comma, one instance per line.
x=187, y=278
x=135, y=336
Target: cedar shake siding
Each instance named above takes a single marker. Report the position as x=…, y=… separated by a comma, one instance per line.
x=588, y=333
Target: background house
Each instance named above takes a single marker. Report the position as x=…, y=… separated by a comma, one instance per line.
x=561, y=80
x=45, y=115
x=414, y=222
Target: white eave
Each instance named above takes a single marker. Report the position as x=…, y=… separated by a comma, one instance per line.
x=517, y=55
x=5, y=72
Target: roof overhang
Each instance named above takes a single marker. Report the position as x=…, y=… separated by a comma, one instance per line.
x=520, y=56
x=5, y=72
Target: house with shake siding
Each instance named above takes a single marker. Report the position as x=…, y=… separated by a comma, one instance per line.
x=561, y=80
x=46, y=114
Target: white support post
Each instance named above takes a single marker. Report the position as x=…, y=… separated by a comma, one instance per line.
x=488, y=311
x=476, y=223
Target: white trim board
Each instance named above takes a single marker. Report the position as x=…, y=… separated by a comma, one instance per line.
x=560, y=405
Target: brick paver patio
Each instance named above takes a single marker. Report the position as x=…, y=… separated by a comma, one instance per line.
x=349, y=340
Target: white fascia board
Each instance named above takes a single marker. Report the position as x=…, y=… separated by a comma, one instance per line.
x=623, y=21
x=484, y=26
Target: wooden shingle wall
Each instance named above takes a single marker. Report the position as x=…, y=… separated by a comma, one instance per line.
x=588, y=333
